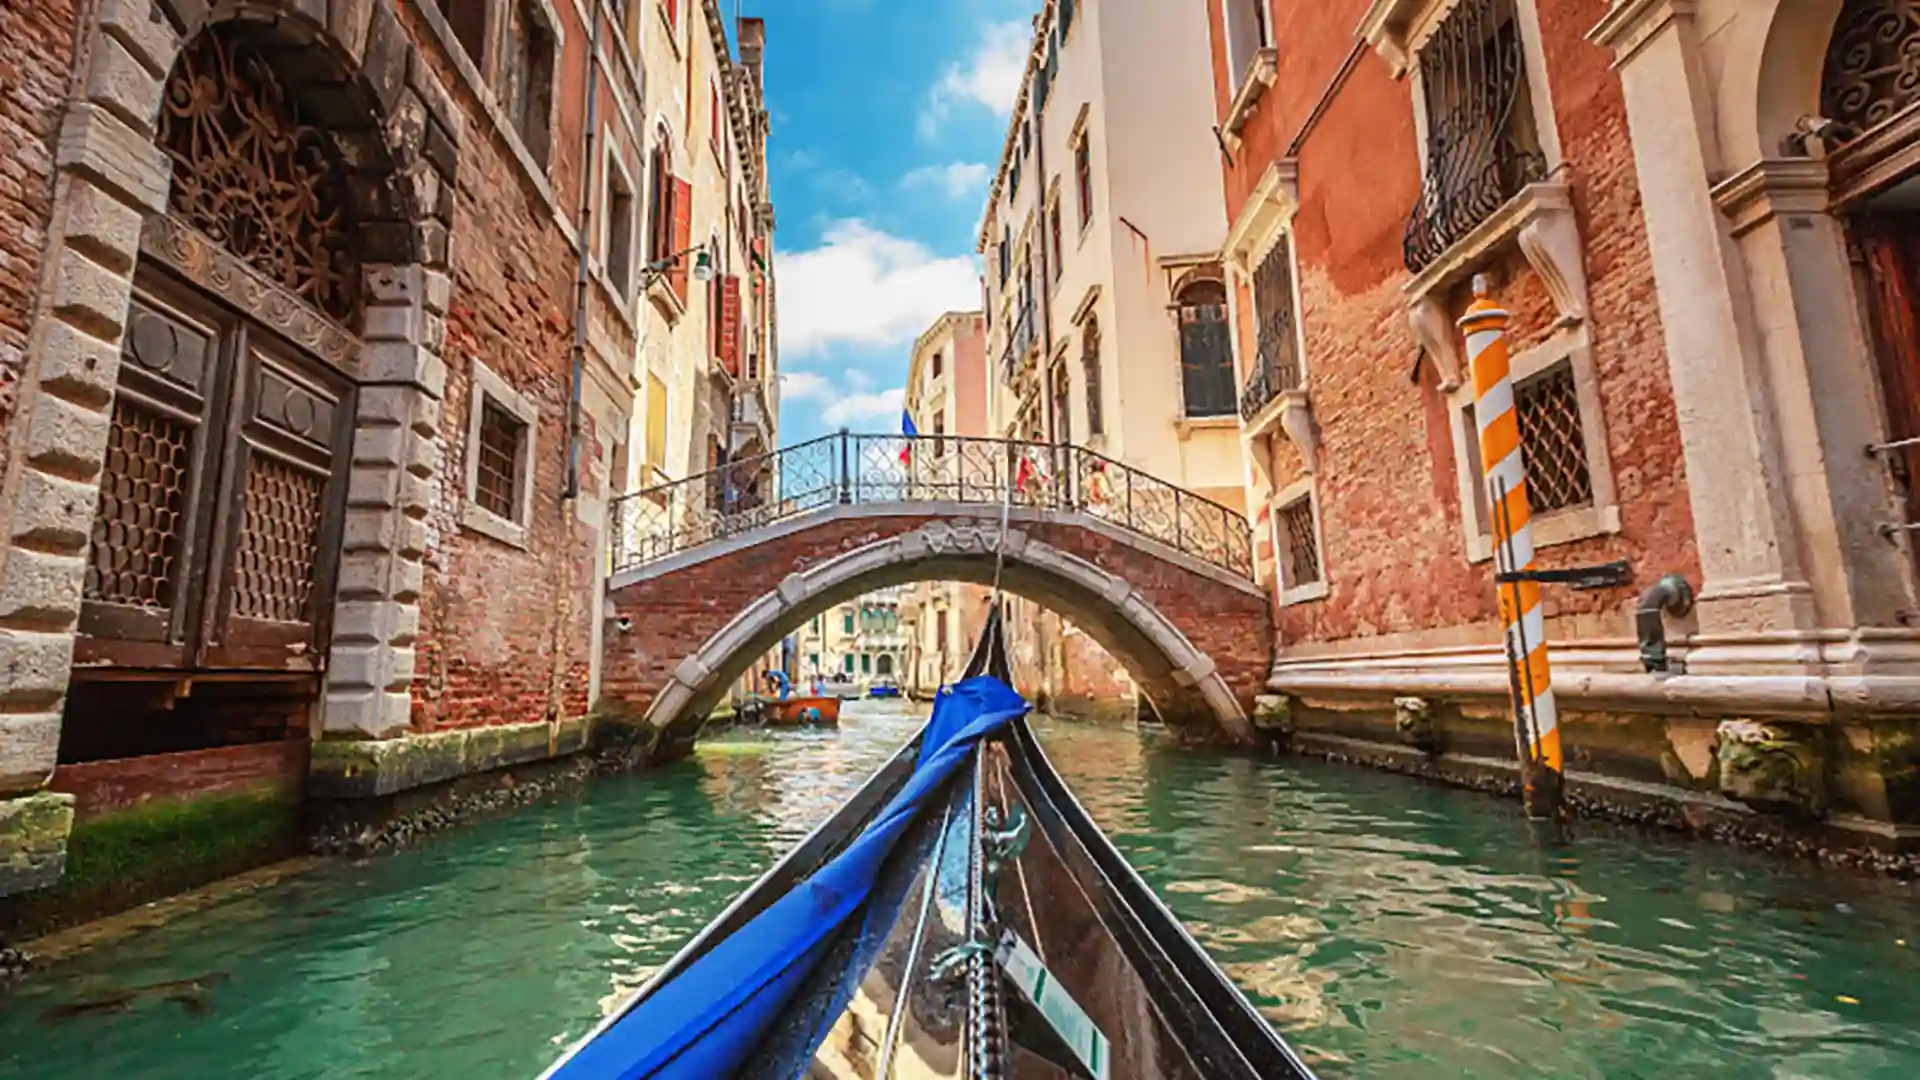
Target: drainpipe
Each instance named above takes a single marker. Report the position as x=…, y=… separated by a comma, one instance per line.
x=584, y=231
x=1671, y=595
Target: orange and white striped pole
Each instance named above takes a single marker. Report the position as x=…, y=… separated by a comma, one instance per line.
x=1536, y=718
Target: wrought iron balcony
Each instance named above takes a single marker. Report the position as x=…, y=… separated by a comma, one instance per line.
x=1481, y=144
x=1276, y=366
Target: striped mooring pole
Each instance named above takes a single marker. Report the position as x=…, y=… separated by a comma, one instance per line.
x=1535, y=717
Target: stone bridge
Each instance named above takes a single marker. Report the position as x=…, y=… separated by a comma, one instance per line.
x=713, y=571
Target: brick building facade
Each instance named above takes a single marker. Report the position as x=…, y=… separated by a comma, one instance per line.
x=1660, y=195
x=326, y=331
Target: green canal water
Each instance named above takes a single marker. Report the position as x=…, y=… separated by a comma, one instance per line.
x=1389, y=929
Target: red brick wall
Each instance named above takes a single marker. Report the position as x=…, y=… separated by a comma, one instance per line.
x=37, y=57
x=675, y=614
x=1394, y=552
x=101, y=787
x=493, y=617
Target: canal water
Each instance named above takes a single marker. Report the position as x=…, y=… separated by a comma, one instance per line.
x=1388, y=928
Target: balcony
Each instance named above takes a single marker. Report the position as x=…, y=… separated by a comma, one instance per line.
x=1275, y=394
x=1276, y=368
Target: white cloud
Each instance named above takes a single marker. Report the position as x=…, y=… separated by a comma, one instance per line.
x=854, y=410
x=957, y=180
x=990, y=75
x=803, y=386
x=862, y=286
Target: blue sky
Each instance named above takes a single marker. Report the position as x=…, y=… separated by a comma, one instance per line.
x=888, y=116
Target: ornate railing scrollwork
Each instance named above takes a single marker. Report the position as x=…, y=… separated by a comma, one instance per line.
x=1481, y=143
x=847, y=469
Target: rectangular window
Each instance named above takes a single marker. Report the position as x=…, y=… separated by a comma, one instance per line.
x=1247, y=34
x=846, y=623
x=468, y=21
x=813, y=661
x=1299, y=544
x=1083, y=179
x=500, y=446
x=939, y=430
x=498, y=481
x=620, y=233
x=866, y=663
x=1053, y=230
x=940, y=630
x=529, y=90
x=656, y=422
x=1276, y=364
x=1206, y=350
x=1482, y=145
x=936, y=365
x=846, y=663
x=713, y=104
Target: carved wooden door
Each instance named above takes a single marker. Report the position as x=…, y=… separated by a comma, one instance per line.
x=216, y=536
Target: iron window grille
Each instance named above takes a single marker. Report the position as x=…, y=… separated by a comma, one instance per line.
x=1301, y=565
x=496, y=481
x=1482, y=143
x=1553, y=440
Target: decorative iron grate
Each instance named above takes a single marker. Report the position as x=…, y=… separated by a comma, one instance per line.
x=496, y=478
x=253, y=175
x=1302, y=543
x=137, y=529
x=1482, y=146
x=279, y=542
x=1553, y=441
x=1873, y=65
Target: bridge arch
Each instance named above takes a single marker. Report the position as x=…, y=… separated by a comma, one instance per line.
x=1195, y=638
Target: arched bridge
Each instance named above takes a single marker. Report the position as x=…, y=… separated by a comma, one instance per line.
x=712, y=571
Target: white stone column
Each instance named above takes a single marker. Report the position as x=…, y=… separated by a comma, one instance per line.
x=1737, y=480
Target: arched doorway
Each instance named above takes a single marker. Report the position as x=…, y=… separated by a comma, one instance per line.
x=208, y=597
x=883, y=665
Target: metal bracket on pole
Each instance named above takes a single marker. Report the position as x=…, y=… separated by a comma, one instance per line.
x=1605, y=576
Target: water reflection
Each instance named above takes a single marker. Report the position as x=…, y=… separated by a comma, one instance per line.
x=1391, y=929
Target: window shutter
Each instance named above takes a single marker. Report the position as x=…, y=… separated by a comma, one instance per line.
x=682, y=237
x=730, y=325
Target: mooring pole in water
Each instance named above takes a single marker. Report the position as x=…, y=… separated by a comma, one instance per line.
x=1535, y=717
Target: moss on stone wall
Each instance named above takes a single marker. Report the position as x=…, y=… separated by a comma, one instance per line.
x=128, y=857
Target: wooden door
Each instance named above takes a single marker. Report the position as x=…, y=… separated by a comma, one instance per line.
x=215, y=539
x=1889, y=247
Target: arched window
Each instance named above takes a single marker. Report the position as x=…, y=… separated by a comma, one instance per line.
x=1206, y=350
x=659, y=200
x=1090, y=368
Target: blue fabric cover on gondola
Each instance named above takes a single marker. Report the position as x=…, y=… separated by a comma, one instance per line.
x=703, y=1024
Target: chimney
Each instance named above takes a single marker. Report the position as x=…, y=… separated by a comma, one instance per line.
x=752, y=34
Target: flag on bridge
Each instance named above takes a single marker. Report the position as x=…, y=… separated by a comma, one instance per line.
x=912, y=433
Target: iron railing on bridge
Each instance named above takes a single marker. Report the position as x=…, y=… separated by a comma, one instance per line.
x=848, y=469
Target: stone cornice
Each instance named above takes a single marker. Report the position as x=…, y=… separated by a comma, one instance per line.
x=1396, y=28
x=1259, y=77
x=1633, y=23
x=1269, y=209
x=1770, y=187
